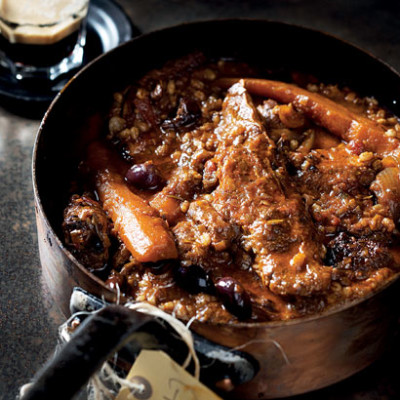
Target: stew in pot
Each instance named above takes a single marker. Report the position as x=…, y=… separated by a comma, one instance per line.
x=222, y=196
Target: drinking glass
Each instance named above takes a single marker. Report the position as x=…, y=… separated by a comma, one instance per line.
x=42, y=39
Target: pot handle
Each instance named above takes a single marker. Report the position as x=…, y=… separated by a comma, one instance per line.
x=93, y=342
x=112, y=328
x=220, y=367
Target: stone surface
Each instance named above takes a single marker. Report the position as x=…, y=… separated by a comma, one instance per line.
x=28, y=317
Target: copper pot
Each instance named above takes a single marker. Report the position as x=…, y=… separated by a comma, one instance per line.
x=295, y=356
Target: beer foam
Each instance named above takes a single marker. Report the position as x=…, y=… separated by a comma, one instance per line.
x=40, y=21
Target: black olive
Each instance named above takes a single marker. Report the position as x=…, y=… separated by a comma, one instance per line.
x=144, y=176
x=187, y=115
x=234, y=297
x=193, y=279
x=159, y=267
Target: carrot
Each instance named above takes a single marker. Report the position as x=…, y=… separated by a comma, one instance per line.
x=365, y=133
x=362, y=133
x=137, y=224
x=168, y=207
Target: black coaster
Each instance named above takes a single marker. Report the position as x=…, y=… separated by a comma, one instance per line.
x=107, y=27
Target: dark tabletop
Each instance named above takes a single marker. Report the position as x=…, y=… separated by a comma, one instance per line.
x=28, y=317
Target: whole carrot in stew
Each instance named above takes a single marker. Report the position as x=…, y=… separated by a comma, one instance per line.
x=137, y=224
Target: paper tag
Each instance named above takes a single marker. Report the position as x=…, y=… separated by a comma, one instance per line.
x=163, y=379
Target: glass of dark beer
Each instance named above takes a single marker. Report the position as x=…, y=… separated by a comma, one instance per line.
x=42, y=39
